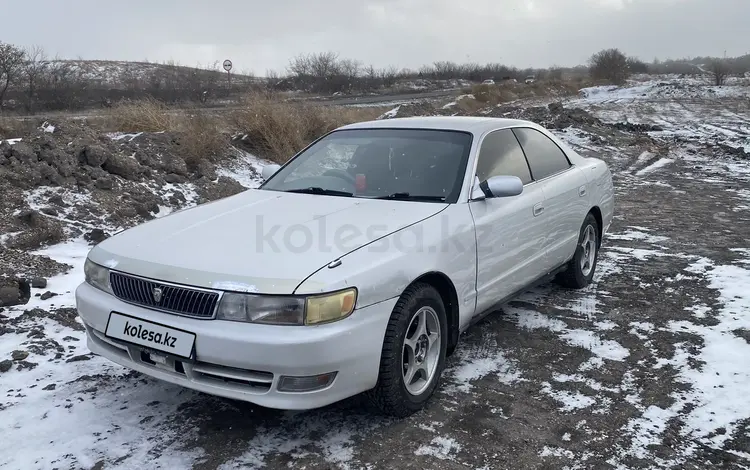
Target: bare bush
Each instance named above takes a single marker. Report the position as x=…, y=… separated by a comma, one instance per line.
x=492, y=94
x=201, y=138
x=610, y=65
x=62, y=86
x=146, y=115
x=278, y=129
x=719, y=71
x=555, y=73
x=635, y=65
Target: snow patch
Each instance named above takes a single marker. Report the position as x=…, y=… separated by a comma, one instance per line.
x=233, y=286
x=390, y=114
x=605, y=349
x=440, y=447
x=474, y=368
x=662, y=162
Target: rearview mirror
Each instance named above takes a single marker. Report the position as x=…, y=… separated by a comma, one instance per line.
x=269, y=170
x=501, y=186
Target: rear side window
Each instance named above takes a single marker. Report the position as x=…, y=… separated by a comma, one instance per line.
x=544, y=156
x=501, y=154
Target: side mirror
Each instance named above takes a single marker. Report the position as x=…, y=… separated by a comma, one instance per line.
x=499, y=186
x=269, y=170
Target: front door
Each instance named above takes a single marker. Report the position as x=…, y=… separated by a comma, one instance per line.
x=509, y=230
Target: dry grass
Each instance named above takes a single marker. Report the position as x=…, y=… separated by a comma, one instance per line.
x=147, y=115
x=278, y=129
x=199, y=134
x=11, y=128
x=492, y=94
x=505, y=92
x=469, y=105
x=200, y=137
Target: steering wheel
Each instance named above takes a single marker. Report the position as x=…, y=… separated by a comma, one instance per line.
x=342, y=174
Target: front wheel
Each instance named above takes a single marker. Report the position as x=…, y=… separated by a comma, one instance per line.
x=413, y=355
x=580, y=270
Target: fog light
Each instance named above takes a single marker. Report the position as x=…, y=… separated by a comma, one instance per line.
x=306, y=384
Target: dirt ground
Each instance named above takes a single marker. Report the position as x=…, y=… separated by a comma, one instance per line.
x=646, y=368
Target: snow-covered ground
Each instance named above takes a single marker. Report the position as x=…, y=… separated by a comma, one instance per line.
x=685, y=108
x=645, y=368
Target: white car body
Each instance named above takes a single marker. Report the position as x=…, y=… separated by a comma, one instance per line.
x=477, y=251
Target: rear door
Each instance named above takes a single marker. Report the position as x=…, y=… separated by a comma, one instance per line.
x=565, y=198
x=509, y=230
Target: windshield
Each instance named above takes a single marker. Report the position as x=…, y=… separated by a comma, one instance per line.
x=417, y=164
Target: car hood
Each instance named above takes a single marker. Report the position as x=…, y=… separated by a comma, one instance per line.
x=256, y=241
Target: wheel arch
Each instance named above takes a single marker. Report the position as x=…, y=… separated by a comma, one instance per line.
x=447, y=290
x=597, y=213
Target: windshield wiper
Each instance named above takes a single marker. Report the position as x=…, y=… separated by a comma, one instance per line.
x=319, y=190
x=412, y=197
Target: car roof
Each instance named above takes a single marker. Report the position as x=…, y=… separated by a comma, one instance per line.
x=473, y=124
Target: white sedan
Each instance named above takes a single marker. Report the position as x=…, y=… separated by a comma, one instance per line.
x=354, y=267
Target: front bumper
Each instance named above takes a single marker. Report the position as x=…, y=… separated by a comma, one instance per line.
x=245, y=361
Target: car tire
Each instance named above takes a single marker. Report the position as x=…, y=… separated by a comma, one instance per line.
x=580, y=270
x=392, y=395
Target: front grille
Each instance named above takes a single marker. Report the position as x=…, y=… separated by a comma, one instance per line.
x=166, y=297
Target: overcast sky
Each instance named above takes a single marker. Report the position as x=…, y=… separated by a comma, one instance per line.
x=264, y=34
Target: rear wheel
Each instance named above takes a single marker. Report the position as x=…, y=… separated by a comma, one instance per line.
x=413, y=355
x=580, y=270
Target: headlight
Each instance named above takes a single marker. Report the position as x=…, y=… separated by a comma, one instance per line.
x=97, y=276
x=262, y=309
x=287, y=310
x=330, y=307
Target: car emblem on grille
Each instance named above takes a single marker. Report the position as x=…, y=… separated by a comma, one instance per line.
x=157, y=292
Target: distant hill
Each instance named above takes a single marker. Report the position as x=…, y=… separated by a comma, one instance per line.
x=80, y=84
x=124, y=74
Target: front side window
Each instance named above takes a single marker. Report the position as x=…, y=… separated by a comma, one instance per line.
x=544, y=156
x=420, y=164
x=501, y=154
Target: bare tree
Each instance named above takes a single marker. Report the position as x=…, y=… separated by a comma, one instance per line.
x=11, y=61
x=64, y=84
x=325, y=64
x=33, y=69
x=610, y=65
x=351, y=68
x=719, y=70
x=389, y=76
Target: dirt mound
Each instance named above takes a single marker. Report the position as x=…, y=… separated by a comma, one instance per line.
x=74, y=155
x=67, y=180
x=557, y=116
x=553, y=116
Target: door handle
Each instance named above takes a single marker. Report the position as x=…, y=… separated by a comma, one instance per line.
x=582, y=191
x=538, y=209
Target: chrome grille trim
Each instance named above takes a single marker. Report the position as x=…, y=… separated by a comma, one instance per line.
x=186, y=301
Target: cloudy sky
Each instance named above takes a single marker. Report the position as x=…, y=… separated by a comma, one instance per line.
x=264, y=34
